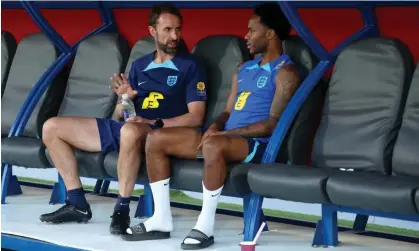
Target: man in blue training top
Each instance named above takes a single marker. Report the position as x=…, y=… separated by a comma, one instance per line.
x=164, y=88
x=261, y=90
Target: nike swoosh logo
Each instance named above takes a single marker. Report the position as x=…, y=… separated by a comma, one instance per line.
x=166, y=184
x=213, y=195
x=239, y=80
x=85, y=213
x=140, y=83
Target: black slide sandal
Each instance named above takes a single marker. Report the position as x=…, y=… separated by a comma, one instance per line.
x=139, y=233
x=204, y=240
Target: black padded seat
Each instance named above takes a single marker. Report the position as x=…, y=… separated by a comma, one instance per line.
x=405, y=156
x=362, y=136
x=34, y=55
x=8, y=50
x=296, y=148
x=373, y=191
x=24, y=151
x=362, y=112
x=88, y=93
x=359, y=126
x=91, y=164
x=300, y=53
x=293, y=183
x=188, y=175
x=110, y=164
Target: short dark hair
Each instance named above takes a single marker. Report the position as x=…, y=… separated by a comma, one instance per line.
x=159, y=9
x=272, y=16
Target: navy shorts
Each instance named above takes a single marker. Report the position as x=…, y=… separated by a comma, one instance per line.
x=256, y=151
x=110, y=134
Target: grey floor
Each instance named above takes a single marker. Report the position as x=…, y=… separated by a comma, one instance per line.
x=20, y=217
x=287, y=206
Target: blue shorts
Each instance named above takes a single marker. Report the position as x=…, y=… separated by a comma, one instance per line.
x=110, y=134
x=256, y=151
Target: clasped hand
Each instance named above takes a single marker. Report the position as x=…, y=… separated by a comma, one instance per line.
x=212, y=131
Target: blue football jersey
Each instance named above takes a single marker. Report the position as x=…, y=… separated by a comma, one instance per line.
x=255, y=93
x=164, y=90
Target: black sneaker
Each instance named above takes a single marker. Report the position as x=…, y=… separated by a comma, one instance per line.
x=67, y=213
x=120, y=223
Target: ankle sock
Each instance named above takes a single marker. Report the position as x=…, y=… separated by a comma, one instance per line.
x=76, y=198
x=122, y=204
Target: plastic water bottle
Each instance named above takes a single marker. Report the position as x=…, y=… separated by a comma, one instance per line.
x=129, y=107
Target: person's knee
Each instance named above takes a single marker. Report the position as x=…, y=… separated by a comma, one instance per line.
x=50, y=129
x=133, y=132
x=155, y=141
x=213, y=146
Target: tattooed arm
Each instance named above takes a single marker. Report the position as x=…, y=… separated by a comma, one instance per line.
x=287, y=82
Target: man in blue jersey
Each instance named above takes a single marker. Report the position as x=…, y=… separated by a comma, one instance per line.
x=261, y=90
x=163, y=86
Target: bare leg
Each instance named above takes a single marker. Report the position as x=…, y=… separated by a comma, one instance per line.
x=132, y=142
x=217, y=151
x=179, y=142
x=133, y=137
x=60, y=134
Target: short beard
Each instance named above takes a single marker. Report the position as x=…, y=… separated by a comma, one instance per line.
x=166, y=49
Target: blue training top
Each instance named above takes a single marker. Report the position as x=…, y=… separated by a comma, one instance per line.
x=164, y=90
x=256, y=89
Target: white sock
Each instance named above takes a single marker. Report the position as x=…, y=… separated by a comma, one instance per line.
x=206, y=218
x=162, y=217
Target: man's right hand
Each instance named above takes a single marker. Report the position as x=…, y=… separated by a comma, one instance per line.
x=212, y=129
x=120, y=85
